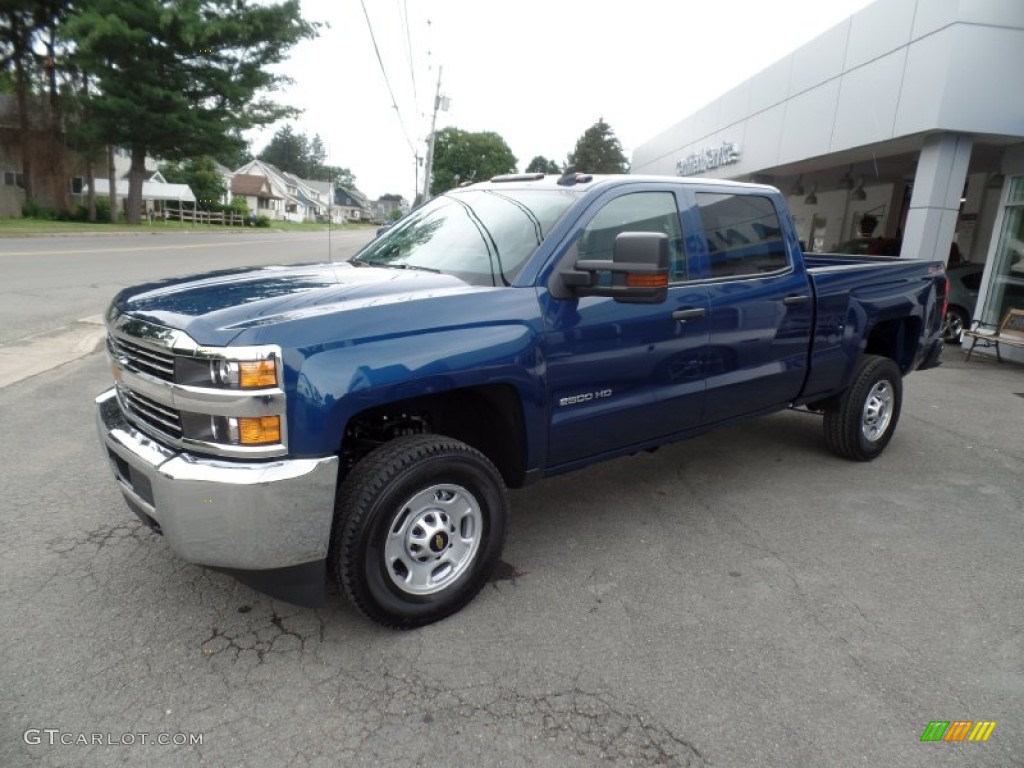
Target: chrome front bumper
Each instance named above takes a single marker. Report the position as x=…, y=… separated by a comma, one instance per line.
x=234, y=515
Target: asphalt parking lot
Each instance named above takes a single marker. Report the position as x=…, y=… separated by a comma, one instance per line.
x=741, y=599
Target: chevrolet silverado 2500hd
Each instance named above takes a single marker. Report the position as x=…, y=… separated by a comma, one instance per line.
x=364, y=419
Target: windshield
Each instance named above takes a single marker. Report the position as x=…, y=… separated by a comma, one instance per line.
x=481, y=236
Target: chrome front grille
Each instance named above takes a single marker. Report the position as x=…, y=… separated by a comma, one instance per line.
x=145, y=359
x=159, y=417
x=164, y=390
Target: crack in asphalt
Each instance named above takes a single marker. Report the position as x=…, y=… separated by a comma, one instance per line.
x=592, y=725
x=265, y=635
x=100, y=537
x=375, y=701
x=388, y=705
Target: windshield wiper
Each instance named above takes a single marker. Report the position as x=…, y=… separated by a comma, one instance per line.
x=403, y=265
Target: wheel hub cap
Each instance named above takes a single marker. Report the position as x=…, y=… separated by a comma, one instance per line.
x=433, y=539
x=877, y=411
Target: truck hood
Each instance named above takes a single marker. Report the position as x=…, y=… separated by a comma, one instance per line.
x=216, y=307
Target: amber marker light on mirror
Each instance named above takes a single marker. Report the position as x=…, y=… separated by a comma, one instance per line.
x=259, y=431
x=646, y=281
x=258, y=374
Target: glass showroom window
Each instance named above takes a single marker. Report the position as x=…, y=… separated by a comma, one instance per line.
x=1006, y=290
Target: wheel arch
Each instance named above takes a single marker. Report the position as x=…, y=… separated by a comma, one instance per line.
x=897, y=339
x=967, y=314
x=487, y=417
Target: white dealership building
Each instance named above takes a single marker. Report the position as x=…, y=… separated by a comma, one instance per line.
x=901, y=126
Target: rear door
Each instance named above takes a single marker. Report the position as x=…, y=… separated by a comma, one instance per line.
x=761, y=306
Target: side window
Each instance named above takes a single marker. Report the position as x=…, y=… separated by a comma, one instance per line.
x=636, y=212
x=972, y=282
x=743, y=234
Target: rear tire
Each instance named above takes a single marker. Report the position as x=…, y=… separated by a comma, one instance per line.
x=419, y=524
x=862, y=424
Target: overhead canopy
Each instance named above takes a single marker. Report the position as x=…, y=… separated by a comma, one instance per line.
x=151, y=190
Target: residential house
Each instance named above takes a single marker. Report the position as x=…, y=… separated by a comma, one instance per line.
x=225, y=176
x=354, y=206
x=336, y=214
x=257, y=193
x=293, y=199
x=385, y=206
x=58, y=177
x=157, y=195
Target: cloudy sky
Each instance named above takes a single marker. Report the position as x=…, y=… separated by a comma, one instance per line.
x=537, y=72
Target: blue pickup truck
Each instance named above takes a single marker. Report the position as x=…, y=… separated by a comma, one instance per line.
x=363, y=420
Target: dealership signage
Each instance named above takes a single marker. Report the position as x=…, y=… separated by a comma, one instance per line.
x=710, y=158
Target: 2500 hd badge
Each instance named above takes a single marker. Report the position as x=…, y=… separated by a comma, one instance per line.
x=585, y=397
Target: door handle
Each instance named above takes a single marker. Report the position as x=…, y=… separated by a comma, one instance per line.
x=789, y=301
x=689, y=314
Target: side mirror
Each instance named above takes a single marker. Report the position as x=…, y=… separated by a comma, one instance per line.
x=639, y=270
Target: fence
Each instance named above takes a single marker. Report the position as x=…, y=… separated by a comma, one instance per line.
x=227, y=218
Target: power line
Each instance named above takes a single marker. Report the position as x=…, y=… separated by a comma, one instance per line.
x=387, y=82
x=408, y=49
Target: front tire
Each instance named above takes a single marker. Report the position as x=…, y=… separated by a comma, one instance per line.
x=419, y=524
x=862, y=424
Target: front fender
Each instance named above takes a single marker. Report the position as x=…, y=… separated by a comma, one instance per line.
x=335, y=384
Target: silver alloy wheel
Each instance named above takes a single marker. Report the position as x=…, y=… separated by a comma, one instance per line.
x=877, y=411
x=433, y=539
x=952, y=327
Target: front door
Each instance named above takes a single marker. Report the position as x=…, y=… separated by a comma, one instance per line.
x=620, y=374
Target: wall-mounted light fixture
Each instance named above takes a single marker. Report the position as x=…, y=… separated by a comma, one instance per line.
x=858, y=193
x=812, y=199
x=846, y=180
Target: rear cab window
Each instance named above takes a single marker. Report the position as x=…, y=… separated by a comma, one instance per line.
x=743, y=234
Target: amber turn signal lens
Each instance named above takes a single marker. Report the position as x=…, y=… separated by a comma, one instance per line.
x=259, y=374
x=646, y=281
x=259, y=431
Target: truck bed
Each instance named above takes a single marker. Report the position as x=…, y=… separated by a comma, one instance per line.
x=852, y=290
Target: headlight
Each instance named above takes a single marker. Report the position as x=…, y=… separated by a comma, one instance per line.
x=226, y=374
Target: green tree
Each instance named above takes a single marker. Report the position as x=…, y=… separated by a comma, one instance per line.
x=182, y=79
x=342, y=177
x=29, y=47
x=287, y=150
x=295, y=153
x=236, y=153
x=315, y=158
x=598, y=151
x=541, y=164
x=463, y=156
x=201, y=175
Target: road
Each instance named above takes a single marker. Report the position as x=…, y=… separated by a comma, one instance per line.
x=49, y=282
x=741, y=599
x=55, y=289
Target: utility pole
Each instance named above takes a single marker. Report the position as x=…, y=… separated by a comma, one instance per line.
x=416, y=163
x=430, y=146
